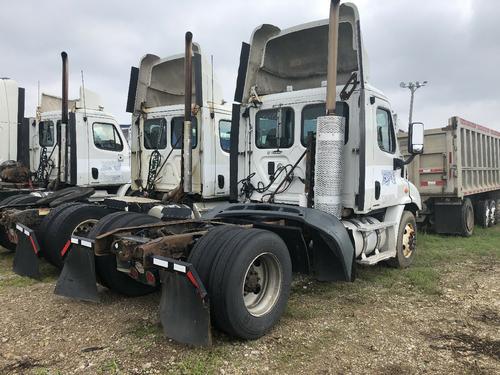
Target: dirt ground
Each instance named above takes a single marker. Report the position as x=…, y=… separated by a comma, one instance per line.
x=441, y=316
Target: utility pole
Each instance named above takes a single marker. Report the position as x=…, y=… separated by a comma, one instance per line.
x=412, y=86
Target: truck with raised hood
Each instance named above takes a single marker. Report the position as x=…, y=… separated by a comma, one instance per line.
x=156, y=96
x=156, y=93
x=458, y=177
x=80, y=155
x=316, y=184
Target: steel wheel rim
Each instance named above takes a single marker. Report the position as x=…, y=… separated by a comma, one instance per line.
x=262, y=284
x=493, y=213
x=84, y=227
x=409, y=240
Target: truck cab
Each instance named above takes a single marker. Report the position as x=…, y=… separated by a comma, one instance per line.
x=157, y=92
x=99, y=155
x=282, y=94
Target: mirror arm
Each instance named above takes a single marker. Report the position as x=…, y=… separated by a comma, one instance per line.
x=400, y=163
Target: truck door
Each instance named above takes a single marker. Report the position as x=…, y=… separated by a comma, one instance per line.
x=382, y=180
x=109, y=162
x=222, y=146
x=43, y=146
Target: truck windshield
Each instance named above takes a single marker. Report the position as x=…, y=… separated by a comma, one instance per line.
x=46, y=133
x=176, y=132
x=274, y=128
x=155, y=134
x=310, y=114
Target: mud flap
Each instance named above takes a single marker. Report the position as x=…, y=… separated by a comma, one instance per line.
x=184, y=305
x=78, y=278
x=26, y=258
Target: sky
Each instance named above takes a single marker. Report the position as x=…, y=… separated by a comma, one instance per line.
x=450, y=43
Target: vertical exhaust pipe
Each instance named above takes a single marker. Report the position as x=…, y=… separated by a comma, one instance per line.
x=63, y=125
x=187, y=150
x=333, y=46
x=65, y=73
x=330, y=130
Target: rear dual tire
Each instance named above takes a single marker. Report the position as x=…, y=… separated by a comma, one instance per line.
x=248, y=273
x=72, y=219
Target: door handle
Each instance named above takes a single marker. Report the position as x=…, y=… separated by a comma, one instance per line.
x=120, y=157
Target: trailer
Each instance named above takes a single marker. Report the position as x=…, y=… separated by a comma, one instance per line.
x=458, y=177
x=310, y=193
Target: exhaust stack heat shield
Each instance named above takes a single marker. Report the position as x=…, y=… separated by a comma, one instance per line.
x=329, y=166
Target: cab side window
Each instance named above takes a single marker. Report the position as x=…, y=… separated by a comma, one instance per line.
x=385, y=131
x=310, y=114
x=46, y=133
x=274, y=128
x=155, y=134
x=225, y=134
x=106, y=137
x=176, y=132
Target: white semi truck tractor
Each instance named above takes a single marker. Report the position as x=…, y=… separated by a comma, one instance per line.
x=316, y=188
x=79, y=155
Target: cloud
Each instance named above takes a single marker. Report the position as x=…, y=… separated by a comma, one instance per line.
x=452, y=44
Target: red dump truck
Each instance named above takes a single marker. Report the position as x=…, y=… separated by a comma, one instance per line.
x=458, y=177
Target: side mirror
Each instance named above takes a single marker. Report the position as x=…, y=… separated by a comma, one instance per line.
x=416, y=138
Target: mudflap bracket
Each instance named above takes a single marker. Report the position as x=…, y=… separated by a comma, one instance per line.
x=78, y=276
x=184, y=304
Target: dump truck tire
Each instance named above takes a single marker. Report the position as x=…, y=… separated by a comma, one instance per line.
x=406, y=245
x=76, y=219
x=106, y=270
x=467, y=218
x=482, y=211
x=250, y=283
x=15, y=199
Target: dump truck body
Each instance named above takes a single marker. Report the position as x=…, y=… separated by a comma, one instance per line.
x=461, y=161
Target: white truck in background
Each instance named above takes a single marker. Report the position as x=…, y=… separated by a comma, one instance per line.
x=78, y=155
x=156, y=100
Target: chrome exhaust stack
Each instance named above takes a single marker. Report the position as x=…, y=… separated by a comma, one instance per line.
x=63, y=126
x=187, y=150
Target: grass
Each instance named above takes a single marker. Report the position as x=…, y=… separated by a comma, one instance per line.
x=9, y=279
x=110, y=367
x=143, y=330
x=203, y=361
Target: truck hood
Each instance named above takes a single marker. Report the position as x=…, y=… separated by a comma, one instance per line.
x=297, y=57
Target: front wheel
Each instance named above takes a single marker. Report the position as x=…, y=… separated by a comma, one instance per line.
x=406, y=246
